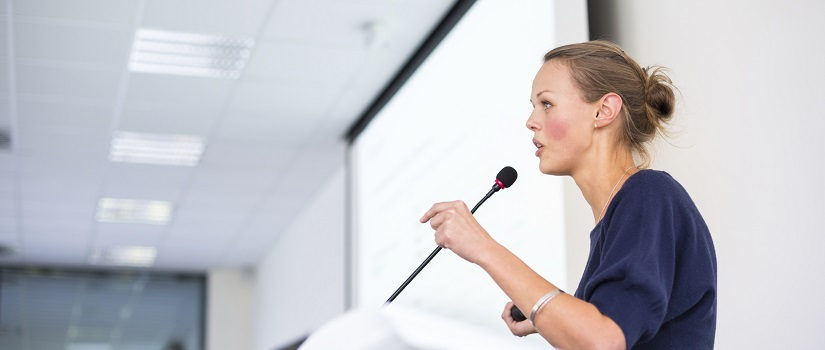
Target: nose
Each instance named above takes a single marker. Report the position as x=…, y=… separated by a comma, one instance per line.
x=531, y=123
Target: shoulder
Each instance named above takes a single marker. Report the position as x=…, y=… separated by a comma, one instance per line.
x=649, y=196
x=651, y=187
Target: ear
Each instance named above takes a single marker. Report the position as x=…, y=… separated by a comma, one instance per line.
x=609, y=108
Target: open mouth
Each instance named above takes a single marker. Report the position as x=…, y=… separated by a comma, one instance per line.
x=539, y=146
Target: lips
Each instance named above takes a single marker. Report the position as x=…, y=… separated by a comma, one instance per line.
x=539, y=146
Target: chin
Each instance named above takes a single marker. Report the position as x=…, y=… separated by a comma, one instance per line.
x=550, y=168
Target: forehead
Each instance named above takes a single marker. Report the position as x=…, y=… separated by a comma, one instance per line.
x=554, y=75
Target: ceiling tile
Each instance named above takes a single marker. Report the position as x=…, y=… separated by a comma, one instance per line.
x=243, y=155
x=202, y=241
x=8, y=204
x=7, y=172
x=76, y=175
x=148, y=176
x=6, y=156
x=80, y=85
x=73, y=144
x=52, y=251
x=270, y=132
x=69, y=236
x=57, y=230
x=40, y=189
x=119, y=12
x=44, y=41
x=170, y=119
x=4, y=84
x=38, y=114
x=51, y=213
x=109, y=234
x=62, y=247
x=219, y=200
x=201, y=233
x=223, y=180
x=3, y=34
x=280, y=100
x=353, y=102
x=215, y=17
x=342, y=23
x=298, y=64
x=331, y=23
x=145, y=88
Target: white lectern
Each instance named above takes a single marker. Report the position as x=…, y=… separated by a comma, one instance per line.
x=396, y=327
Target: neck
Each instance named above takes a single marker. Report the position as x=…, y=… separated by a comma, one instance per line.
x=605, y=171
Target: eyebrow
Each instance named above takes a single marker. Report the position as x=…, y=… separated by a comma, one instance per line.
x=539, y=93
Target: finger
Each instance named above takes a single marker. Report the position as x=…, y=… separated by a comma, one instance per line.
x=436, y=208
x=437, y=220
x=505, y=315
x=439, y=241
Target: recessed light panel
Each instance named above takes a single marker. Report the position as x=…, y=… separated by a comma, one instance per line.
x=133, y=211
x=192, y=54
x=163, y=149
x=125, y=256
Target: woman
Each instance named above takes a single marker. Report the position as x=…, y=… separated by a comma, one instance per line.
x=650, y=280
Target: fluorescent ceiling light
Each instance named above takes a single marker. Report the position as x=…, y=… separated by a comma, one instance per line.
x=125, y=256
x=132, y=211
x=180, y=53
x=133, y=147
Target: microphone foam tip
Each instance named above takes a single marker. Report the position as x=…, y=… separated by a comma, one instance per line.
x=507, y=176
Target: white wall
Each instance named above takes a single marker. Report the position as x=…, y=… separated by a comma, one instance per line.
x=301, y=283
x=230, y=297
x=748, y=147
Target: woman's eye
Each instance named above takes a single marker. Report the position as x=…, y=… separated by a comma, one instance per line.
x=546, y=104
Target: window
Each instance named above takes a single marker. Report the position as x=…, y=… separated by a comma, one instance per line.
x=43, y=309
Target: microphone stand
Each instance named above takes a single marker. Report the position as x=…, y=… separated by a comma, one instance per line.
x=489, y=194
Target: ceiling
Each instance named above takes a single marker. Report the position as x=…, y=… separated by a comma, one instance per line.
x=272, y=136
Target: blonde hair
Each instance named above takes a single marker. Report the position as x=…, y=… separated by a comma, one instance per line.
x=600, y=67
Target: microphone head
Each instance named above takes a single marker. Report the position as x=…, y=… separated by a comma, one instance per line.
x=506, y=177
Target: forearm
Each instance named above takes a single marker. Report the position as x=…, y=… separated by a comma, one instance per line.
x=566, y=322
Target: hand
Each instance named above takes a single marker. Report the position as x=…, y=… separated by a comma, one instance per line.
x=517, y=328
x=456, y=229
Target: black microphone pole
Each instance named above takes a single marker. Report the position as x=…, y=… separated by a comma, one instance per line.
x=508, y=173
x=435, y=251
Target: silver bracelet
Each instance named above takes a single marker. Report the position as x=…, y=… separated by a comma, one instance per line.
x=540, y=304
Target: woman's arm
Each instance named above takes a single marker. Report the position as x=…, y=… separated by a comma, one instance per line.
x=566, y=322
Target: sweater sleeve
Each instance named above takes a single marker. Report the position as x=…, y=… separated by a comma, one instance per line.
x=633, y=283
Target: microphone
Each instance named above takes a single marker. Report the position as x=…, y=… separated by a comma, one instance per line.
x=517, y=315
x=505, y=178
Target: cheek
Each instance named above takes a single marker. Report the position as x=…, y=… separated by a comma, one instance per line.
x=557, y=129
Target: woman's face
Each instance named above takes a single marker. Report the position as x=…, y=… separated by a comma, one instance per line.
x=561, y=121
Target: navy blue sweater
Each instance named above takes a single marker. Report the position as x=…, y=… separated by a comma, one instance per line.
x=652, y=266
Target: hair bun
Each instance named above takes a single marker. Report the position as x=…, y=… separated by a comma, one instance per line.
x=660, y=100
